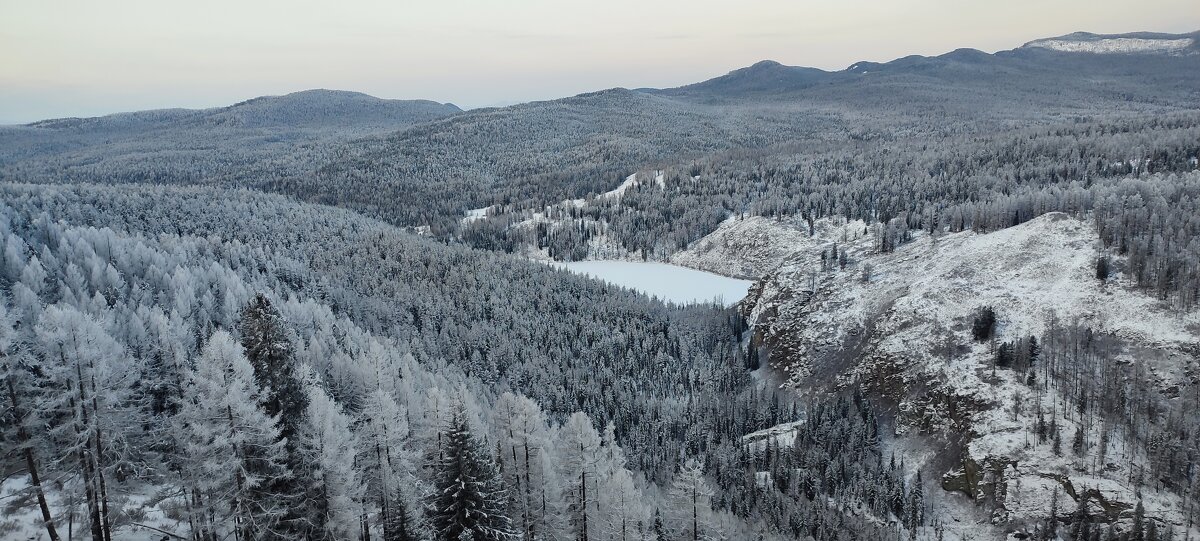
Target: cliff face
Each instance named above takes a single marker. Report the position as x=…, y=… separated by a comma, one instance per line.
x=899, y=325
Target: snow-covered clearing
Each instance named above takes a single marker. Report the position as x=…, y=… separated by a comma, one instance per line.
x=670, y=283
x=781, y=435
x=475, y=214
x=751, y=246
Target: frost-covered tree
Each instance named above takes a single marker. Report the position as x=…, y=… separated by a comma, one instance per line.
x=229, y=448
x=388, y=465
x=332, y=503
x=577, y=451
x=691, y=498
x=469, y=496
x=17, y=375
x=95, y=421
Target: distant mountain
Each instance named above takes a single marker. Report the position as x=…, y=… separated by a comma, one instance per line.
x=424, y=163
x=1132, y=43
x=764, y=77
x=320, y=109
x=250, y=143
x=324, y=108
x=1042, y=70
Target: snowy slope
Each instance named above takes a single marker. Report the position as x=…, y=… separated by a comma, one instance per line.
x=1133, y=43
x=1115, y=45
x=890, y=335
x=755, y=245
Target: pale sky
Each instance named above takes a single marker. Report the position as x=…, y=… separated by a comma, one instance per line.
x=86, y=57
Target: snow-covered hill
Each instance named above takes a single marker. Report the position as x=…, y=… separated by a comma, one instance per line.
x=899, y=325
x=752, y=246
x=1140, y=43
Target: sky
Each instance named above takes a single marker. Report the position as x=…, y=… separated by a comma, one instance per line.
x=63, y=58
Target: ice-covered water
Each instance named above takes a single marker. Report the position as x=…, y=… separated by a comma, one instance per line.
x=671, y=283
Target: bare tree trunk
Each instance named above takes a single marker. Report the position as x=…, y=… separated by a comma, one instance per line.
x=31, y=464
x=695, y=515
x=106, y=519
x=84, y=461
x=583, y=493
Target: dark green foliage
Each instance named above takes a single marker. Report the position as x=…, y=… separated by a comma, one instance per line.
x=398, y=524
x=269, y=351
x=469, y=493
x=1004, y=355
x=1102, y=268
x=835, y=452
x=983, y=325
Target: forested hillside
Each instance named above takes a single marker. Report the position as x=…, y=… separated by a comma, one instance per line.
x=328, y=316
x=324, y=332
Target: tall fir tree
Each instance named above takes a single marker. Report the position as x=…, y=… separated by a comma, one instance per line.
x=469, y=495
x=284, y=397
x=269, y=351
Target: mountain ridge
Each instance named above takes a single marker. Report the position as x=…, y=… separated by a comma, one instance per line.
x=266, y=111
x=1044, y=54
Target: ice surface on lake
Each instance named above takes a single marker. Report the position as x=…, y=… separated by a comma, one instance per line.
x=671, y=283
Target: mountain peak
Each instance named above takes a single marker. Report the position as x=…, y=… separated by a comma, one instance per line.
x=765, y=64
x=1131, y=43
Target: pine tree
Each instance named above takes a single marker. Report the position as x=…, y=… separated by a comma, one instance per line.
x=916, y=504
x=1138, y=531
x=398, y=522
x=469, y=496
x=658, y=528
x=1102, y=268
x=270, y=353
x=1050, y=531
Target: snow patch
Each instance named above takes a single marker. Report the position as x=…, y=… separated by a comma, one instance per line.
x=475, y=214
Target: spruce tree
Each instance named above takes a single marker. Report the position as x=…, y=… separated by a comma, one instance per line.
x=469, y=494
x=1138, y=531
x=283, y=396
x=270, y=353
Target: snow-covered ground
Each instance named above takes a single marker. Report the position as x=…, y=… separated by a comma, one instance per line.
x=752, y=246
x=144, y=518
x=1113, y=45
x=781, y=435
x=475, y=214
x=896, y=326
x=670, y=283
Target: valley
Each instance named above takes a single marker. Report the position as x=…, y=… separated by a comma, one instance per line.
x=938, y=297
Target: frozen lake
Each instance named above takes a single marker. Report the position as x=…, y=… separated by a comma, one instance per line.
x=672, y=283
